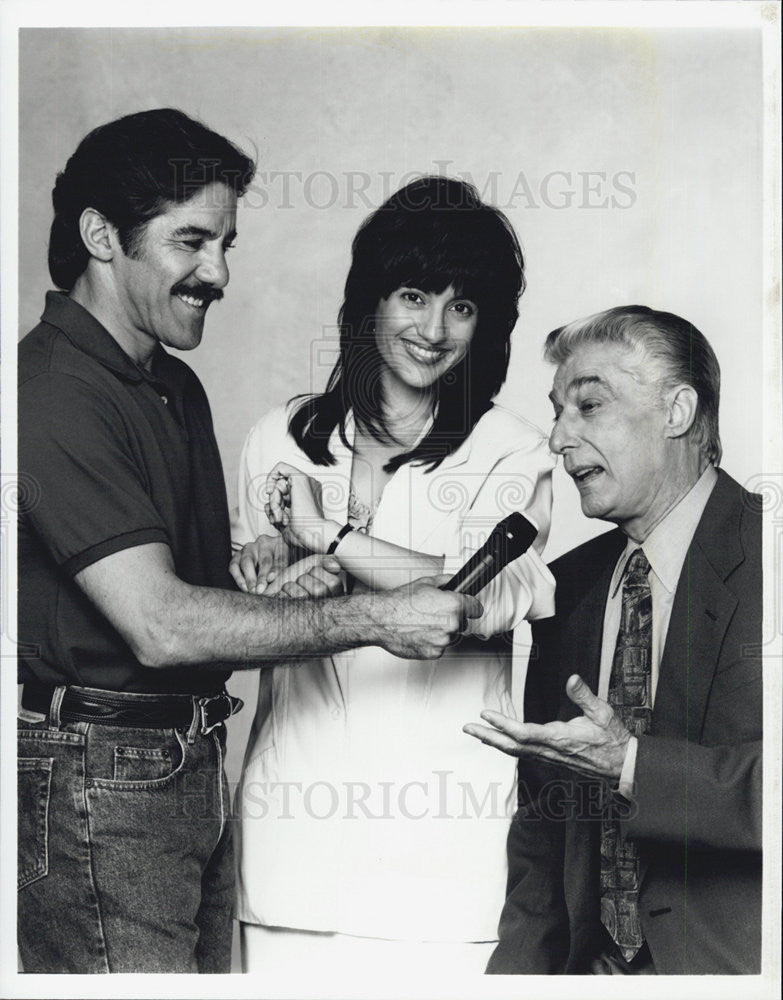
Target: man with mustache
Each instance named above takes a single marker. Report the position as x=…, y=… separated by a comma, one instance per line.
x=128, y=630
x=636, y=847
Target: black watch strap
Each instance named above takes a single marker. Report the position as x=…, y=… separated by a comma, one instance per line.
x=338, y=538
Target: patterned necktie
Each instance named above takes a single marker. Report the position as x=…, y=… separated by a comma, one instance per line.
x=630, y=695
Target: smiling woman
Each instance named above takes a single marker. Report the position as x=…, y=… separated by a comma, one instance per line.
x=398, y=470
x=420, y=336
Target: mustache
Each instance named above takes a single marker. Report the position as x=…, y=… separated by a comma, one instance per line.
x=205, y=292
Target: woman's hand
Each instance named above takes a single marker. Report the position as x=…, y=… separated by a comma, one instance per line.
x=313, y=576
x=294, y=507
x=251, y=565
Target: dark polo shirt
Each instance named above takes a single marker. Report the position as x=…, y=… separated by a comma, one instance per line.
x=110, y=457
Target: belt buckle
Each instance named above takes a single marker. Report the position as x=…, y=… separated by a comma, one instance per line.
x=204, y=703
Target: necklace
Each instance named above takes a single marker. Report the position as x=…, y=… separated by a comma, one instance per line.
x=360, y=515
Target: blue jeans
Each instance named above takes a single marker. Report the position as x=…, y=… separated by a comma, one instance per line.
x=125, y=850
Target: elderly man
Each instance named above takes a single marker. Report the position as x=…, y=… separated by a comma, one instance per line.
x=637, y=844
x=127, y=626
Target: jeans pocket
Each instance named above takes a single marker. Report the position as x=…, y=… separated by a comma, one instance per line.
x=114, y=762
x=34, y=782
x=142, y=763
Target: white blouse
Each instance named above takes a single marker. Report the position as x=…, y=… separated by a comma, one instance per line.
x=363, y=807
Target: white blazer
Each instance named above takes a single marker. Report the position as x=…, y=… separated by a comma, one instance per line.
x=363, y=807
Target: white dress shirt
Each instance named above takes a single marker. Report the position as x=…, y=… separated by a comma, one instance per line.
x=665, y=547
x=364, y=808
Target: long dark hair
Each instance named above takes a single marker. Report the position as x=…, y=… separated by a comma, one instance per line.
x=432, y=233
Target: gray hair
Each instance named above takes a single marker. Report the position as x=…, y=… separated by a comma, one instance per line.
x=681, y=353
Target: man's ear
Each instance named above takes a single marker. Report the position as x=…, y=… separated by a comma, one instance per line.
x=682, y=403
x=98, y=234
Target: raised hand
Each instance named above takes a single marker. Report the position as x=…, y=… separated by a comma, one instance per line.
x=252, y=564
x=594, y=744
x=294, y=507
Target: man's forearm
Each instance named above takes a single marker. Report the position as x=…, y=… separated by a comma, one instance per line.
x=204, y=626
x=167, y=622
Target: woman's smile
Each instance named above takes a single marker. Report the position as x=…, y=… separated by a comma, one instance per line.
x=422, y=335
x=426, y=355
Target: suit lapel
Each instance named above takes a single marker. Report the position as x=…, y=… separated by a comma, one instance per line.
x=581, y=651
x=701, y=614
x=703, y=607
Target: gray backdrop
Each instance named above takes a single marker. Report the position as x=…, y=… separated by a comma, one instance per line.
x=629, y=161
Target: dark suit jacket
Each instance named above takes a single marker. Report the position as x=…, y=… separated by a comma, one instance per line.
x=696, y=817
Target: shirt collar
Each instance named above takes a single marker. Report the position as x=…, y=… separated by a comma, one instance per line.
x=339, y=450
x=667, y=544
x=92, y=338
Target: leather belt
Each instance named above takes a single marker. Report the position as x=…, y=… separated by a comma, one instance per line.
x=137, y=711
